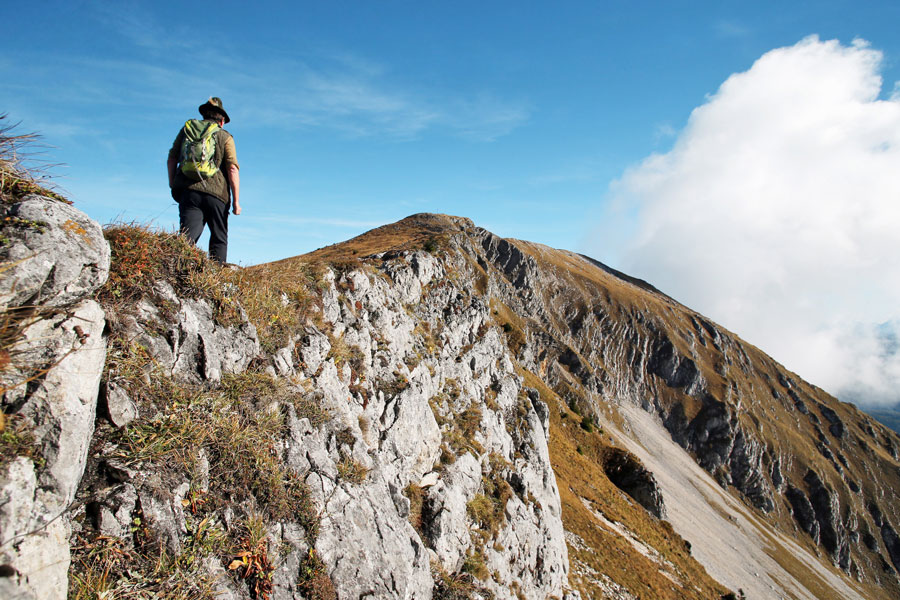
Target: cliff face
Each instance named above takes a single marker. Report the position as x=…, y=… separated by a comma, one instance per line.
x=426, y=411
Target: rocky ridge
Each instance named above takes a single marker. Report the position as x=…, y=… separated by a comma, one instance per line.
x=441, y=422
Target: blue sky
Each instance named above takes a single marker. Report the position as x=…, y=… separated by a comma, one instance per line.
x=348, y=115
x=534, y=119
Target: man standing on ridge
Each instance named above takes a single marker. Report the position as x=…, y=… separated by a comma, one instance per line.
x=203, y=176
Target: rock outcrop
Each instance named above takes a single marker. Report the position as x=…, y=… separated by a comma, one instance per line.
x=55, y=258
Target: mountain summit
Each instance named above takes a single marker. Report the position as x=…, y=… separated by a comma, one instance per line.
x=424, y=411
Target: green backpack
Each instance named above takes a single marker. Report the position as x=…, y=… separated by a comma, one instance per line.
x=198, y=150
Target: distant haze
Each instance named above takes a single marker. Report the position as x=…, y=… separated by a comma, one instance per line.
x=777, y=213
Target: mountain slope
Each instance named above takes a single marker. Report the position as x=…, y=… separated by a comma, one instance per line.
x=817, y=477
x=427, y=411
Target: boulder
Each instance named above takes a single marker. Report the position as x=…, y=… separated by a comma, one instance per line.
x=56, y=254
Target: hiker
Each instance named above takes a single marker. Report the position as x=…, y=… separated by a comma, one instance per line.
x=203, y=170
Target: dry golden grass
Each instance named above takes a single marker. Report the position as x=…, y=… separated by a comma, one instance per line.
x=418, y=232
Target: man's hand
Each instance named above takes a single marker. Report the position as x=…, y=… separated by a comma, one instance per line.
x=236, y=208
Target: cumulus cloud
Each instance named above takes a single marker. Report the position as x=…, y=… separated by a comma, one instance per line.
x=777, y=213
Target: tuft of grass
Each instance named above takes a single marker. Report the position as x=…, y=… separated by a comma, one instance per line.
x=481, y=510
x=416, y=497
x=141, y=257
x=276, y=301
x=18, y=368
x=15, y=367
x=459, y=586
x=475, y=566
x=16, y=179
x=105, y=568
x=351, y=471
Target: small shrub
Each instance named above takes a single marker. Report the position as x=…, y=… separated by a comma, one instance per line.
x=140, y=257
x=416, y=497
x=475, y=566
x=314, y=582
x=351, y=470
x=392, y=387
x=251, y=563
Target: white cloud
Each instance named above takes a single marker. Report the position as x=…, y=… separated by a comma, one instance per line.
x=777, y=213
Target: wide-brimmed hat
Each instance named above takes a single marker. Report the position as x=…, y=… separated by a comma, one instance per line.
x=213, y=105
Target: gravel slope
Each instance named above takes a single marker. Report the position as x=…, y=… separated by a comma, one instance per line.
x=726, y=538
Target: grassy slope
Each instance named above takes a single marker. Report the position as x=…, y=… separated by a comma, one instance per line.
x=577, y=456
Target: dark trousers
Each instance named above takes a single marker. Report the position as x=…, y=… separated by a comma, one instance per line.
x=196, y=209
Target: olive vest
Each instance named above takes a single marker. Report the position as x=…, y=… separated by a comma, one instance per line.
x=216, y=185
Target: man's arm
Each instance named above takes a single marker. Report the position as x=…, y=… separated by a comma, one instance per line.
x=234, y=183
x=232, y=174
x=172, y=164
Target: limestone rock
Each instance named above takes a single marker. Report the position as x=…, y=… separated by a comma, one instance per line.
x=57, y=254
x=59, y=409
x=194, y=348
x=118, y=406
x=627, y=473
x=116, y=513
